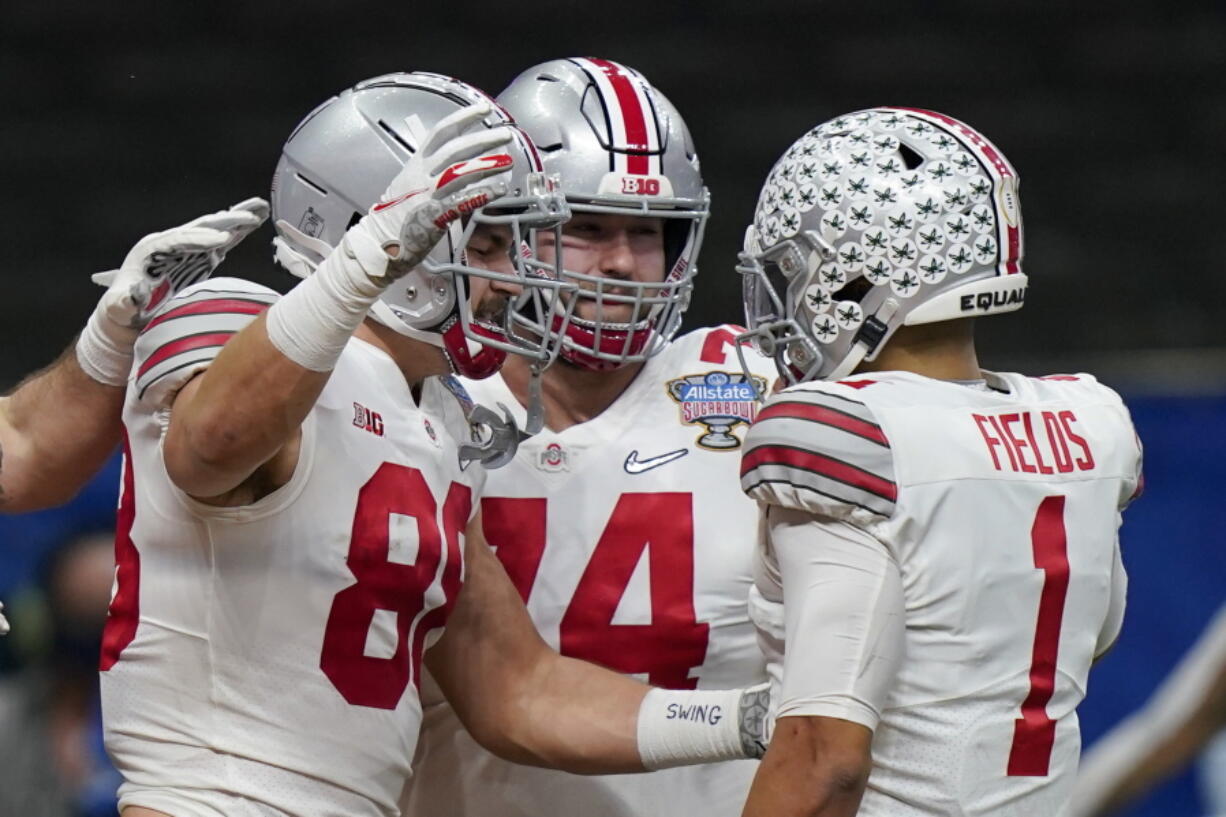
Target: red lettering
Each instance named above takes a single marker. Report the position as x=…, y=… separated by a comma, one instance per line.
x=1007, y=447
x=1084, y=463
x=714, y=346
x=1015, y=442
x=1044, y=468
x=1059, y=447
x=980, y=420
x=515, y=529
x=640, y=185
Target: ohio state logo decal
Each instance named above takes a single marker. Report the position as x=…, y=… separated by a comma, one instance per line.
x=719, y=401
x=553, y=457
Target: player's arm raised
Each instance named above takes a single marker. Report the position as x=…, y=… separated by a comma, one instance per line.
x=251, y=402
x=526, y=703
x=56, y=430
x=843, y=616
x=59, y=425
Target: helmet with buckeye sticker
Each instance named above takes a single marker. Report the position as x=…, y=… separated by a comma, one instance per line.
x=878, y=219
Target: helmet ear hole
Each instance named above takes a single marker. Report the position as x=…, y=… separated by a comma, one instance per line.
x=853, y=290
x=910, y=158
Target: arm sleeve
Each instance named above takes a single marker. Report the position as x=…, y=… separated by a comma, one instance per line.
x=843, y=613
x=186, y=334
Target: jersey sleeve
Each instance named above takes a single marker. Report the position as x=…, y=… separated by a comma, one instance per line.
x=1133, y=483
x=816, y=450
x=188, y=331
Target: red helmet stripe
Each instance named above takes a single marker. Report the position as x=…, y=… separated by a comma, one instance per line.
x=997, y=162
x=631, y=110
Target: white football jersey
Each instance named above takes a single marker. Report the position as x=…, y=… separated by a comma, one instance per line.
x=1000, y=507
x=265, y=660
x=632, y=544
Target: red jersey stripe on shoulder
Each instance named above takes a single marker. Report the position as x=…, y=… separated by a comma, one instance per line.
x=181, y=345
x=828, y=467
x=237, y=306
x=824, y=415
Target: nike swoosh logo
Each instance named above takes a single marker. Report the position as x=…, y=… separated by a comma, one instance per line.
x=636, y=466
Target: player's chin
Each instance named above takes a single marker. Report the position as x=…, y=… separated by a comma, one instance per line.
x=491, y=313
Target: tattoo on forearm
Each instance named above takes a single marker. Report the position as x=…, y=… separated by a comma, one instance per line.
x=755, y=703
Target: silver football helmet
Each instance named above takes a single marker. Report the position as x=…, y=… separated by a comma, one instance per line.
x=617, y=146
x=337, y=163
x=874, y=220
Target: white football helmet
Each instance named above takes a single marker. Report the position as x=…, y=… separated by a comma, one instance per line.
x=874, y=220
x=617, y=146
x=337, y=163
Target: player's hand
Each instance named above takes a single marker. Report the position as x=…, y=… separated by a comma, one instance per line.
x=4, y=624
x=163, y=263
x=444, y=180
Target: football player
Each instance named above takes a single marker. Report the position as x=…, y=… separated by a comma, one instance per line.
x=621, y=523
x=300, y=507
x=40, y=465
x=943, y=538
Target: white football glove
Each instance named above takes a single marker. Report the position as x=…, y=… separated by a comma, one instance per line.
x=444, y=180
x=4, y=625
x=438, y=185
x=160, y=265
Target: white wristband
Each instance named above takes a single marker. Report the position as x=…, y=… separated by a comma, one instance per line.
x=312, y=324
x=104, y=349
x=685, y=727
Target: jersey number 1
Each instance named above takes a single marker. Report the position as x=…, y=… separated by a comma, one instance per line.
x=1034, y=733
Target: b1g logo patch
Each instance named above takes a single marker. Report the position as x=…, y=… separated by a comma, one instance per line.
x=720, y=401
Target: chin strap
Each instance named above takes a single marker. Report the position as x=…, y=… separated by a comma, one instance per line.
x=286, y=250
x=868, y=342
x=468, y=357
x=382, y=313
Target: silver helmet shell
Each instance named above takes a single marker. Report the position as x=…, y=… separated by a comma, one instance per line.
x=617, y=145
x=338, y=161
x=878, y=219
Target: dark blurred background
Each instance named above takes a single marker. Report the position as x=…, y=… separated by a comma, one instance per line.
x=122, y=118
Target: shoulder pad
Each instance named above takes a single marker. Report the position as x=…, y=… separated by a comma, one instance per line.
x=819, y=451
x=187, y=332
